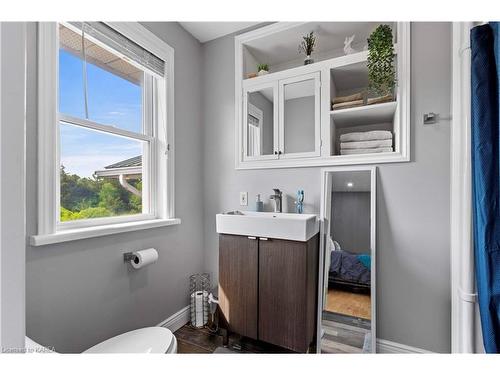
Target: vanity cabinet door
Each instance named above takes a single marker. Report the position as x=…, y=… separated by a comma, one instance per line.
x=238, y=283
x=287, y=292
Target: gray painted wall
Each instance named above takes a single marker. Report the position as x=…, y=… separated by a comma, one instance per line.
x=12, y=186
x=80, y=293
x=413, y=274
x=350, y=225
x=299, y=125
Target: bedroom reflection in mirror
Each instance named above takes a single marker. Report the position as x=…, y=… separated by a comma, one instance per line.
x=348, y=301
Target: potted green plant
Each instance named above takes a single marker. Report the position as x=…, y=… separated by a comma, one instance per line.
x=381, y=70
x=307, y=47
x=262, y=69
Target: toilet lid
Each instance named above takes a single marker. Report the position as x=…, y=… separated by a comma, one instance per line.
x=144, y=340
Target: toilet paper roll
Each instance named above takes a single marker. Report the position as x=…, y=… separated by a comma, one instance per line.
x=199, y=308
x=144, y=257
x=199, y=303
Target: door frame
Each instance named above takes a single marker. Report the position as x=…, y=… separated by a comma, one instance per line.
x=462, y=273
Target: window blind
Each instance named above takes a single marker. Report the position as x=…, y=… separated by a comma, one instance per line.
x=112, y=38
x=252, y=120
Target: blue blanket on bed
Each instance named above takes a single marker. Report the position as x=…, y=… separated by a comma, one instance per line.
x=350, y=267
x=366, y=260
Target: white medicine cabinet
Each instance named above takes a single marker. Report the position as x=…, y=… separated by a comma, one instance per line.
x=282, y=118
x=296, y=115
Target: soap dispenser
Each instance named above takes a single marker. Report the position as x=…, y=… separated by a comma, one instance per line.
x=259, y=205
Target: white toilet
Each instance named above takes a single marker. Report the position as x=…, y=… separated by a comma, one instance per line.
x=144, y=340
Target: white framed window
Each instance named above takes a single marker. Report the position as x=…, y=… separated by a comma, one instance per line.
x=255, y=121
x=106, y=158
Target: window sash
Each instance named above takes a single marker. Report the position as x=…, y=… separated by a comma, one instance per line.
x=89, y=124
x=147, y=193
x=148, y=198
x=147, y=85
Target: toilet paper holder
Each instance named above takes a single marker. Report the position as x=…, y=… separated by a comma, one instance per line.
x=127, y=257
x=141, y=258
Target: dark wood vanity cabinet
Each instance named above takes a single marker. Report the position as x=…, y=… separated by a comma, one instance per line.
x=238, y=284
x=268, y=289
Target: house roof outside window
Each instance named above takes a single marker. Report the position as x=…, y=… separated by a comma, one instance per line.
x=131, y=168
x=128, y=169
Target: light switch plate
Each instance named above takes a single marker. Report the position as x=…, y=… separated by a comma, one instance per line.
x=243, y=198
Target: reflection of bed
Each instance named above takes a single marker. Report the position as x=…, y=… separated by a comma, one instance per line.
x=349, y=271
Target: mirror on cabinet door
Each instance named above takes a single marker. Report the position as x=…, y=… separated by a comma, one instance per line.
x=300, y=112
x=260, y=118
x=347, y=290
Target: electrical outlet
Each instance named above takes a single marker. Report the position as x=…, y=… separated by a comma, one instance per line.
x=243, y=198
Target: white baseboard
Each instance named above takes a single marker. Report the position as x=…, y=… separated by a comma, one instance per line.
x=386, y=346
x=182, y=317
x=177, y=320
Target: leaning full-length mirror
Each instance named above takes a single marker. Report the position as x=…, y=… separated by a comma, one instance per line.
x=347, y=300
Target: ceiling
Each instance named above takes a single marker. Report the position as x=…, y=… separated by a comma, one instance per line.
x=206, y=31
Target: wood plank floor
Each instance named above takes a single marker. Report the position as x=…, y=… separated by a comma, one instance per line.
x=343, y=334
x=201, y=341
x=346, y=303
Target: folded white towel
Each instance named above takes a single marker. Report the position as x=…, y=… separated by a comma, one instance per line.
x=365, y=150
x=366, y=136
x=366, y=144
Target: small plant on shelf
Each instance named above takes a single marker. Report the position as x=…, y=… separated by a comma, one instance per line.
x=381, y=70
x=262, y=69
x=307, y=47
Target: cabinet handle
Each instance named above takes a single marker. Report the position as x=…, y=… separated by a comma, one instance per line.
x=252, y=238
x=279, y=152
x=275, y=152
x=263, y=238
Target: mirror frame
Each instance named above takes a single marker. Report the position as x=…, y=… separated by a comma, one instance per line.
x=325, y=214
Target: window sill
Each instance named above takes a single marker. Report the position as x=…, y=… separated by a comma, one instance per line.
x=103, y=230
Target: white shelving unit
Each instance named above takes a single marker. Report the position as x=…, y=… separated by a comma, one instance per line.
x=364, y=115
x=340, y=75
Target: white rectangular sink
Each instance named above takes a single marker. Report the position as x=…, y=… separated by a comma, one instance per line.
x=294, y=227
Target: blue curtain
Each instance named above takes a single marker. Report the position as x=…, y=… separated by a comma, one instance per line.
x=485, y=67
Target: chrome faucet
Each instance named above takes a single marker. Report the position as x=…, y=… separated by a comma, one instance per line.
x=276, y=197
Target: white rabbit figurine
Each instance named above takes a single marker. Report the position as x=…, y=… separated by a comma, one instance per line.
x=347, y=44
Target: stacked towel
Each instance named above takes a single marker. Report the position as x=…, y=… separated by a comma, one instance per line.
x=351, y=104
x=349, y=101
x=366, y=136
x=365, y=150
x=366, y=142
